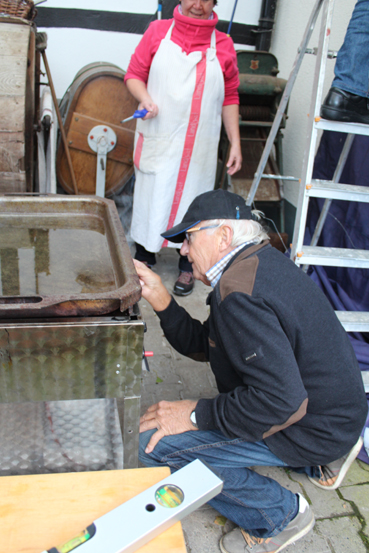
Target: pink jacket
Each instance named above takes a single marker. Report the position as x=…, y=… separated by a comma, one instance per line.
x=191, y=35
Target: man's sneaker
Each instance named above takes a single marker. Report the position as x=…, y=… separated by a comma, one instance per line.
x=331, y=475
x=184, y=284
x=239, y=541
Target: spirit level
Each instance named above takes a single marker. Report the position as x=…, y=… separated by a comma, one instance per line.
x=139, y=520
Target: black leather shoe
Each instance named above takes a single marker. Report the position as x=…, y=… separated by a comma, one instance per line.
x=340, y=105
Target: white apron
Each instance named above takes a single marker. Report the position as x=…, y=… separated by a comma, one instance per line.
x=175, y=153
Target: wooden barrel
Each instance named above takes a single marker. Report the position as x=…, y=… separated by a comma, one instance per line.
x=97, y=96
x=17, y=104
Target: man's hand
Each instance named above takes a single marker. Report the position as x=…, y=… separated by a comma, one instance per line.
x=153, y=290
x=169, y=417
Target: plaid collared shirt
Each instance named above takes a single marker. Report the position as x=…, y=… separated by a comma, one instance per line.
x=213, y=275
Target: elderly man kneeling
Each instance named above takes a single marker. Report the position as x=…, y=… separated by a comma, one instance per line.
x=290, y=389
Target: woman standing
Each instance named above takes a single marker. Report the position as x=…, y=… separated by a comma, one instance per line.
x=184, y=72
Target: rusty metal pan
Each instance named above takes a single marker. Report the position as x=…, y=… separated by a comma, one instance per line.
x=63, y=256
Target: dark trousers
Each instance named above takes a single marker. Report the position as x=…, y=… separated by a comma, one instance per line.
x=143, y=255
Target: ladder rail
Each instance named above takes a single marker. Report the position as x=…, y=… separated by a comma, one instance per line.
x=284, y=101
x=312, y=133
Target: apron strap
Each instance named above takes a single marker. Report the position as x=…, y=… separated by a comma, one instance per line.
x=213, y=40
x=212, y=51
x=169, y=33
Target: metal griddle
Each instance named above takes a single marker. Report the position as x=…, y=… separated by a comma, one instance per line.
x=63, y=256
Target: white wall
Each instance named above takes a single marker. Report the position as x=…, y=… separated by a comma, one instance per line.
x=140, y=6
x=68, y=50
x=291, y=20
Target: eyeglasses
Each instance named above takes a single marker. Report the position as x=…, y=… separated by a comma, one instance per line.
x=189, y=232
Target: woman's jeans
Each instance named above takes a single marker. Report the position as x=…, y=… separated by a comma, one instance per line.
x=352, y=67
x=256, y=503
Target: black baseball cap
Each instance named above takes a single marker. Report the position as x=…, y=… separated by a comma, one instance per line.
x=216, y=204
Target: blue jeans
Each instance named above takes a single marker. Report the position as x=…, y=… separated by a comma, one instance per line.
x=256, y=503
x=352, y=67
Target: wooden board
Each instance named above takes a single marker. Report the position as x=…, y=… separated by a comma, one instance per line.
x=80, y=128
x=42, y=511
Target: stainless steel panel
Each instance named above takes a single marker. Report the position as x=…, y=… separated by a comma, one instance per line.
x=51, y=361
x=73, y=359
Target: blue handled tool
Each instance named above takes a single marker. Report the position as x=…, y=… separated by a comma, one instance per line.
x=138, y=114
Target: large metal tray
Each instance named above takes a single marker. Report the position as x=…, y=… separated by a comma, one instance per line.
x=63, y=256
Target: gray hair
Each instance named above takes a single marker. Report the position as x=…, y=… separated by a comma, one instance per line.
x=244, y=230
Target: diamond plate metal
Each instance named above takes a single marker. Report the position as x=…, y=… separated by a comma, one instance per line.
x=54, y=360
x=60, y=436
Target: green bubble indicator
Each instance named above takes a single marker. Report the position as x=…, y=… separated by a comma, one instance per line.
x=169, y=496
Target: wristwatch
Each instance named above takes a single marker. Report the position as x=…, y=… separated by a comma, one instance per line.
x=193, y=418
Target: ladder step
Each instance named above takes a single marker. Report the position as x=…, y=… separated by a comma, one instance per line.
x=333, y=257
x=354, y=321
x=365, y=375
x=338, y=126
x=338, y=191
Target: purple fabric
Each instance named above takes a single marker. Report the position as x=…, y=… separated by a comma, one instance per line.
x=346, y=226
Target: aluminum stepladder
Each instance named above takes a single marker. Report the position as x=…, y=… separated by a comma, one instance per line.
x=306, y=255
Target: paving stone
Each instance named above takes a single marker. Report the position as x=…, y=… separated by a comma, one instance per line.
x=281, y=476
x=358, y=473
x=195, y=381
x=326, y=503
x=311, y=543
x=169, y=392
x=201, y=531
x=212, y=380
x=342, y=534
x=154, y=339
x=205, y=392
x=162, y=367
x=359, y=495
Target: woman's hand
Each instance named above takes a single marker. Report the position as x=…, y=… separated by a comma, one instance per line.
x=235, y=159
x=230, y=115
x=139, y=91
x=152, y=109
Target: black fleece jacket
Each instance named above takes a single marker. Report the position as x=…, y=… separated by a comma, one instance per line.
x=284, y=366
